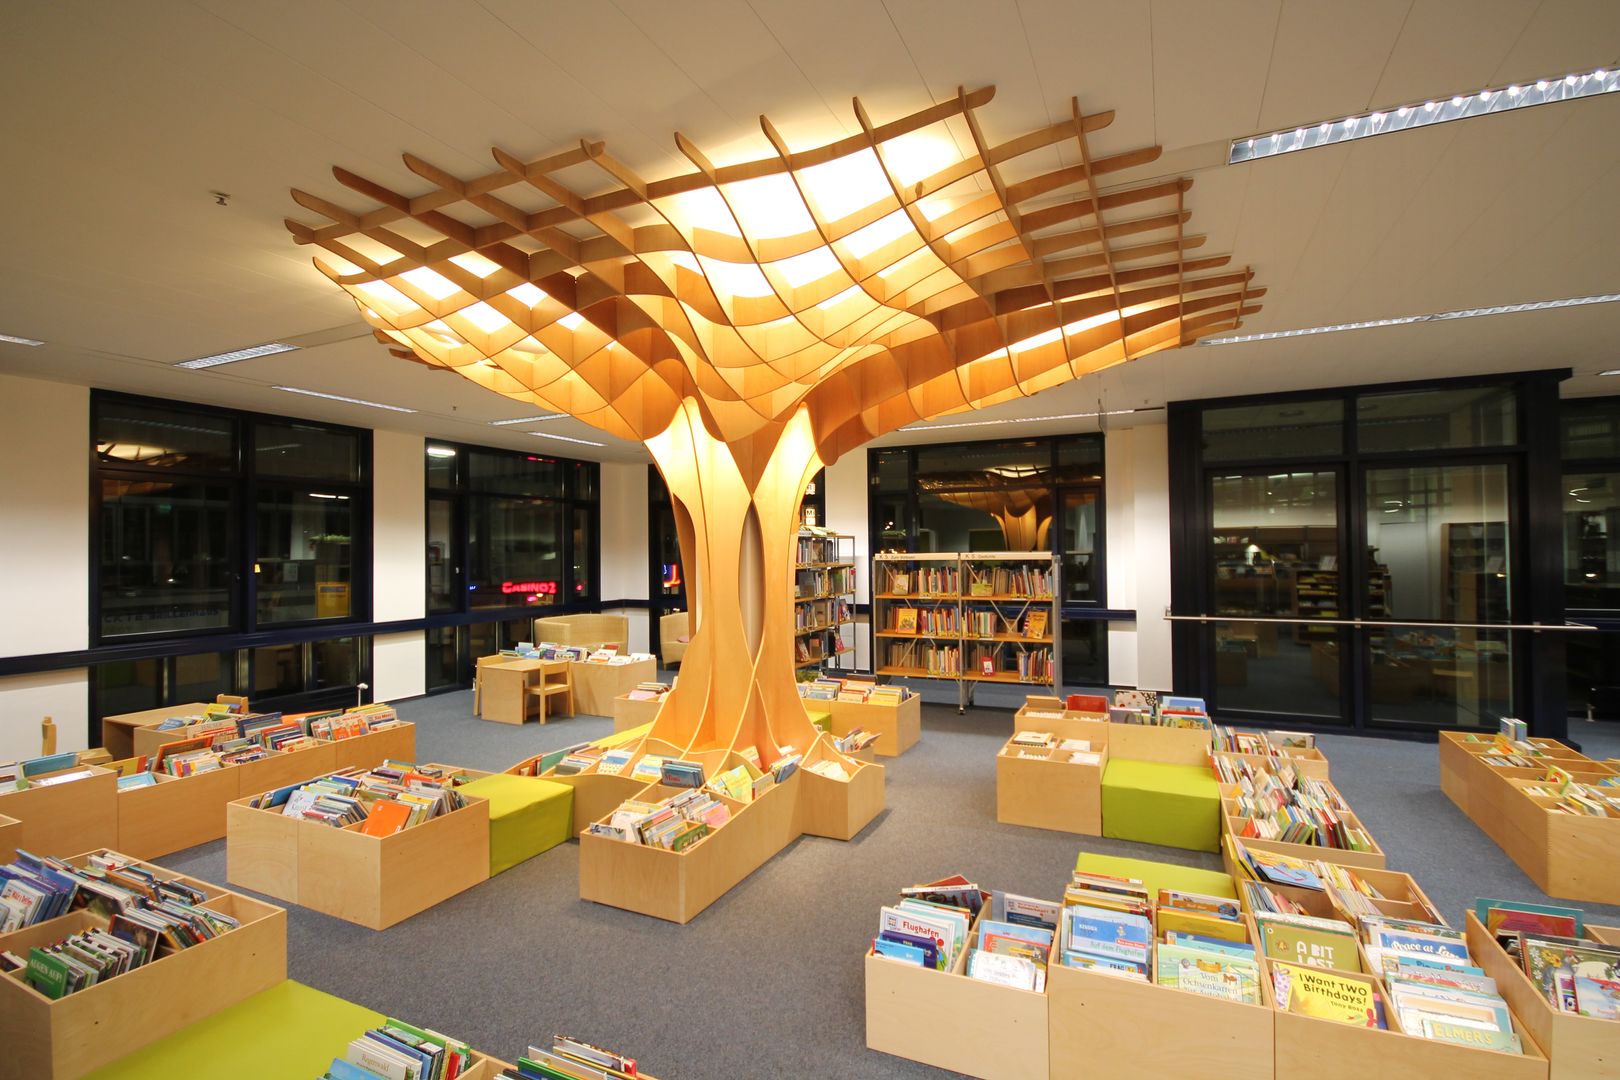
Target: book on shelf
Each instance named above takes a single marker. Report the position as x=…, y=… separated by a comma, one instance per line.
x=905, y=620
x=1035, y=624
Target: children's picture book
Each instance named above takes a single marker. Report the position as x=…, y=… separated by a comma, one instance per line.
x=905, y=621
x=1325, y=995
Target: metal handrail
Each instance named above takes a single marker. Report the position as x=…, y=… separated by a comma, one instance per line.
x=1535, y=627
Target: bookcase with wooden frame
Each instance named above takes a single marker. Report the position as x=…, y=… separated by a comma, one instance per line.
x=967, y=617
x=824, y=600
x=70, y=1036
x=1569, y=856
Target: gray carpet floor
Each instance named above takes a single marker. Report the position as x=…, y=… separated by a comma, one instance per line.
x=768, y=981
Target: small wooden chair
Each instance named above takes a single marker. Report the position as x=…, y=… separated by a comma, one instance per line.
x=478, y=678
x=556, y=677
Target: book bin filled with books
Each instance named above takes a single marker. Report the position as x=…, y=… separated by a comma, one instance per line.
x=892, y=714
x=372, y=848
x=1288, y=812
x=1049, y=772
x=1561, y=976
x=1555, y=811
x=106, y=954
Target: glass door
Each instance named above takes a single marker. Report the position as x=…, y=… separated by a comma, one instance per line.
x=1275, y=553
x=1438, y=548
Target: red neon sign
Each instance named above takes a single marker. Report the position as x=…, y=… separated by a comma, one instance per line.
x=539, y=588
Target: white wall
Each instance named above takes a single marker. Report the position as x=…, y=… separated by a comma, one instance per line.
x=45, y=508
x=398, y=666
x=624, y=544
x=846, y=492
x=399, y=529
x=44, y=557
x=1137, y=483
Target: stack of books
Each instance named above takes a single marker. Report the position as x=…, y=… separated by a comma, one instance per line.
x=142, y=918
x=351, y=723
x=1577, y=975
x=1107, y=926
x=647, y=691
x=1349, y=891
x=677, y=823
x=399, y=1050
x=1202, y=947
x=1287, y=807
x=1270, y=744
x=571, y=1059
x=930, y=925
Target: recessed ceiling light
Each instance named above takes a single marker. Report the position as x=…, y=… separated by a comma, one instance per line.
x=563, y=438
x=1416, y=115
x=1022, y=420
x=528, y=419
x=1404, y=320
x=15, y=340
x=345, y=400
x=269, y=349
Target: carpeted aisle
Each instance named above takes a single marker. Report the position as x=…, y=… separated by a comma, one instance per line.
x=768, y=981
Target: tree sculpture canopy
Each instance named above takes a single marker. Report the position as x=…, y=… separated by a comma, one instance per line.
x=874, y=281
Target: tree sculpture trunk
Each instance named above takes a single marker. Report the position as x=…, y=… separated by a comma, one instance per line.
x=737, y=537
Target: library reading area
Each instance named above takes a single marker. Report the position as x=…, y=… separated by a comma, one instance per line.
x=1037, y=540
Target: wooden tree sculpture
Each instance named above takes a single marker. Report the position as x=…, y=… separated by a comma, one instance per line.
x=749, y=323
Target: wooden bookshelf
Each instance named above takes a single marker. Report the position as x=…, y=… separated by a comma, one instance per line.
x=898, y=727
x=679, y=885
x=824, y=600
x=71, y=1036
x=10, y=834
x=1568, y=856
x=1051, y=792
x=374, y=881
x=941, y=615
x=945, y=1019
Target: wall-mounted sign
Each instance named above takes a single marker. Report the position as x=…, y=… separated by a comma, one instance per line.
x=540, y=588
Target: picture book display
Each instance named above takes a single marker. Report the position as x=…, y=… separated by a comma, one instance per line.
x=396, y=1050
x=568, y=1058
x=1274, y=801
x=1346, y=887
x=383, y=801
x=1574, y=973
x=137, y=917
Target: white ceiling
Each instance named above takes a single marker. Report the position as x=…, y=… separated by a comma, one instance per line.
x=122, y=118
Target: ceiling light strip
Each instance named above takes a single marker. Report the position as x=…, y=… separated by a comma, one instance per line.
x=563, y=438
x=268, y=349
x=1604, y=80
x=1404, y=320
x=345, y=400
x=527, y=419
x=1023, y=420
x=15, y=340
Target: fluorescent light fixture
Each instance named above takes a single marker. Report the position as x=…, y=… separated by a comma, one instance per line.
x=441, y=451
x=1425, y=114
x=1022, y=420
x=563, y=438
x=528, y=419
x=1611, y=371
x=1403, y=320
x=15, y=340
x=324, y=495
x=268, y=349
x=345, y=400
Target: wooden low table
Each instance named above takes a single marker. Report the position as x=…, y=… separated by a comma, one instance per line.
x=501, y=698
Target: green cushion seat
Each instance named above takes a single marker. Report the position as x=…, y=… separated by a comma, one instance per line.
x=1173, y=805
x=288, y=1030
x=527, y=815
x=1158, y=875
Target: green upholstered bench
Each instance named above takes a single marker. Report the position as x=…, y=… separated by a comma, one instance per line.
x=1158, y=875
x=287, y=1030
x=527, y=815
x=1173, y=805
